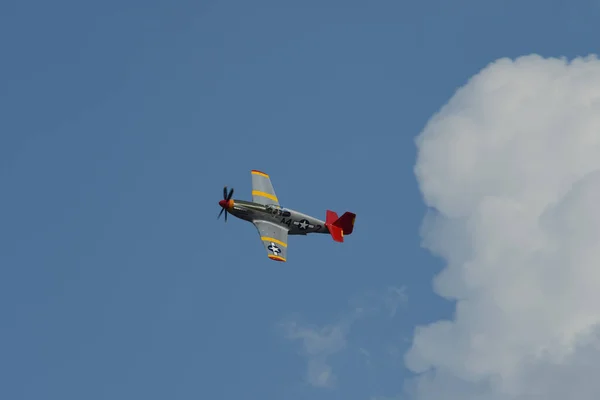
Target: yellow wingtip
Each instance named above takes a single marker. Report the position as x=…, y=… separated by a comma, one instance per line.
x=277, y=258
x=257, y=172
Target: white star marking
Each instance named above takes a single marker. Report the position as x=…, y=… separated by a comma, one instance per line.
x=273, y=247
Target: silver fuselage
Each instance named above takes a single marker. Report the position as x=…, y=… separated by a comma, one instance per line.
x=295, y=222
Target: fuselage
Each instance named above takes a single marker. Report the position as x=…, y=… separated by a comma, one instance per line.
x=295, y=222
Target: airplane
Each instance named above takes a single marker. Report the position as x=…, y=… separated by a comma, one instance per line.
x=274, y=223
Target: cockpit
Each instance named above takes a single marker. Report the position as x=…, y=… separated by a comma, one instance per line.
x=276, y=209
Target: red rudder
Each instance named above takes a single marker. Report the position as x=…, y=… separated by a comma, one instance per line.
x=336, y=232
x=331, y=217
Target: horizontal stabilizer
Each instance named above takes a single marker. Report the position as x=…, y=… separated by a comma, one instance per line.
x=346, y=222
x=338, y=227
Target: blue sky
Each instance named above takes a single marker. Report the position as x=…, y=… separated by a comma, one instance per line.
x=122, y=122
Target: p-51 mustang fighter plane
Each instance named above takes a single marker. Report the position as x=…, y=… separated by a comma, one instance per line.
x=275, y=223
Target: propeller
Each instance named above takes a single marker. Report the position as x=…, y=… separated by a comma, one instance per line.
x=225, y=203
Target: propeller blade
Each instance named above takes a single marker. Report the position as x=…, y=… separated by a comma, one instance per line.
x=226, y=197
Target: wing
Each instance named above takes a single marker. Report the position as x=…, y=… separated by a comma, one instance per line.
x=262, y=189
x=274, y=238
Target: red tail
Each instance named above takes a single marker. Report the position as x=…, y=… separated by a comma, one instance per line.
x=338, y=227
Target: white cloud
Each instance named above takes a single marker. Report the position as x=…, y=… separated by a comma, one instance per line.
x=376, y=301
x=318, y=345
x=511, y=169
x=394, y=298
